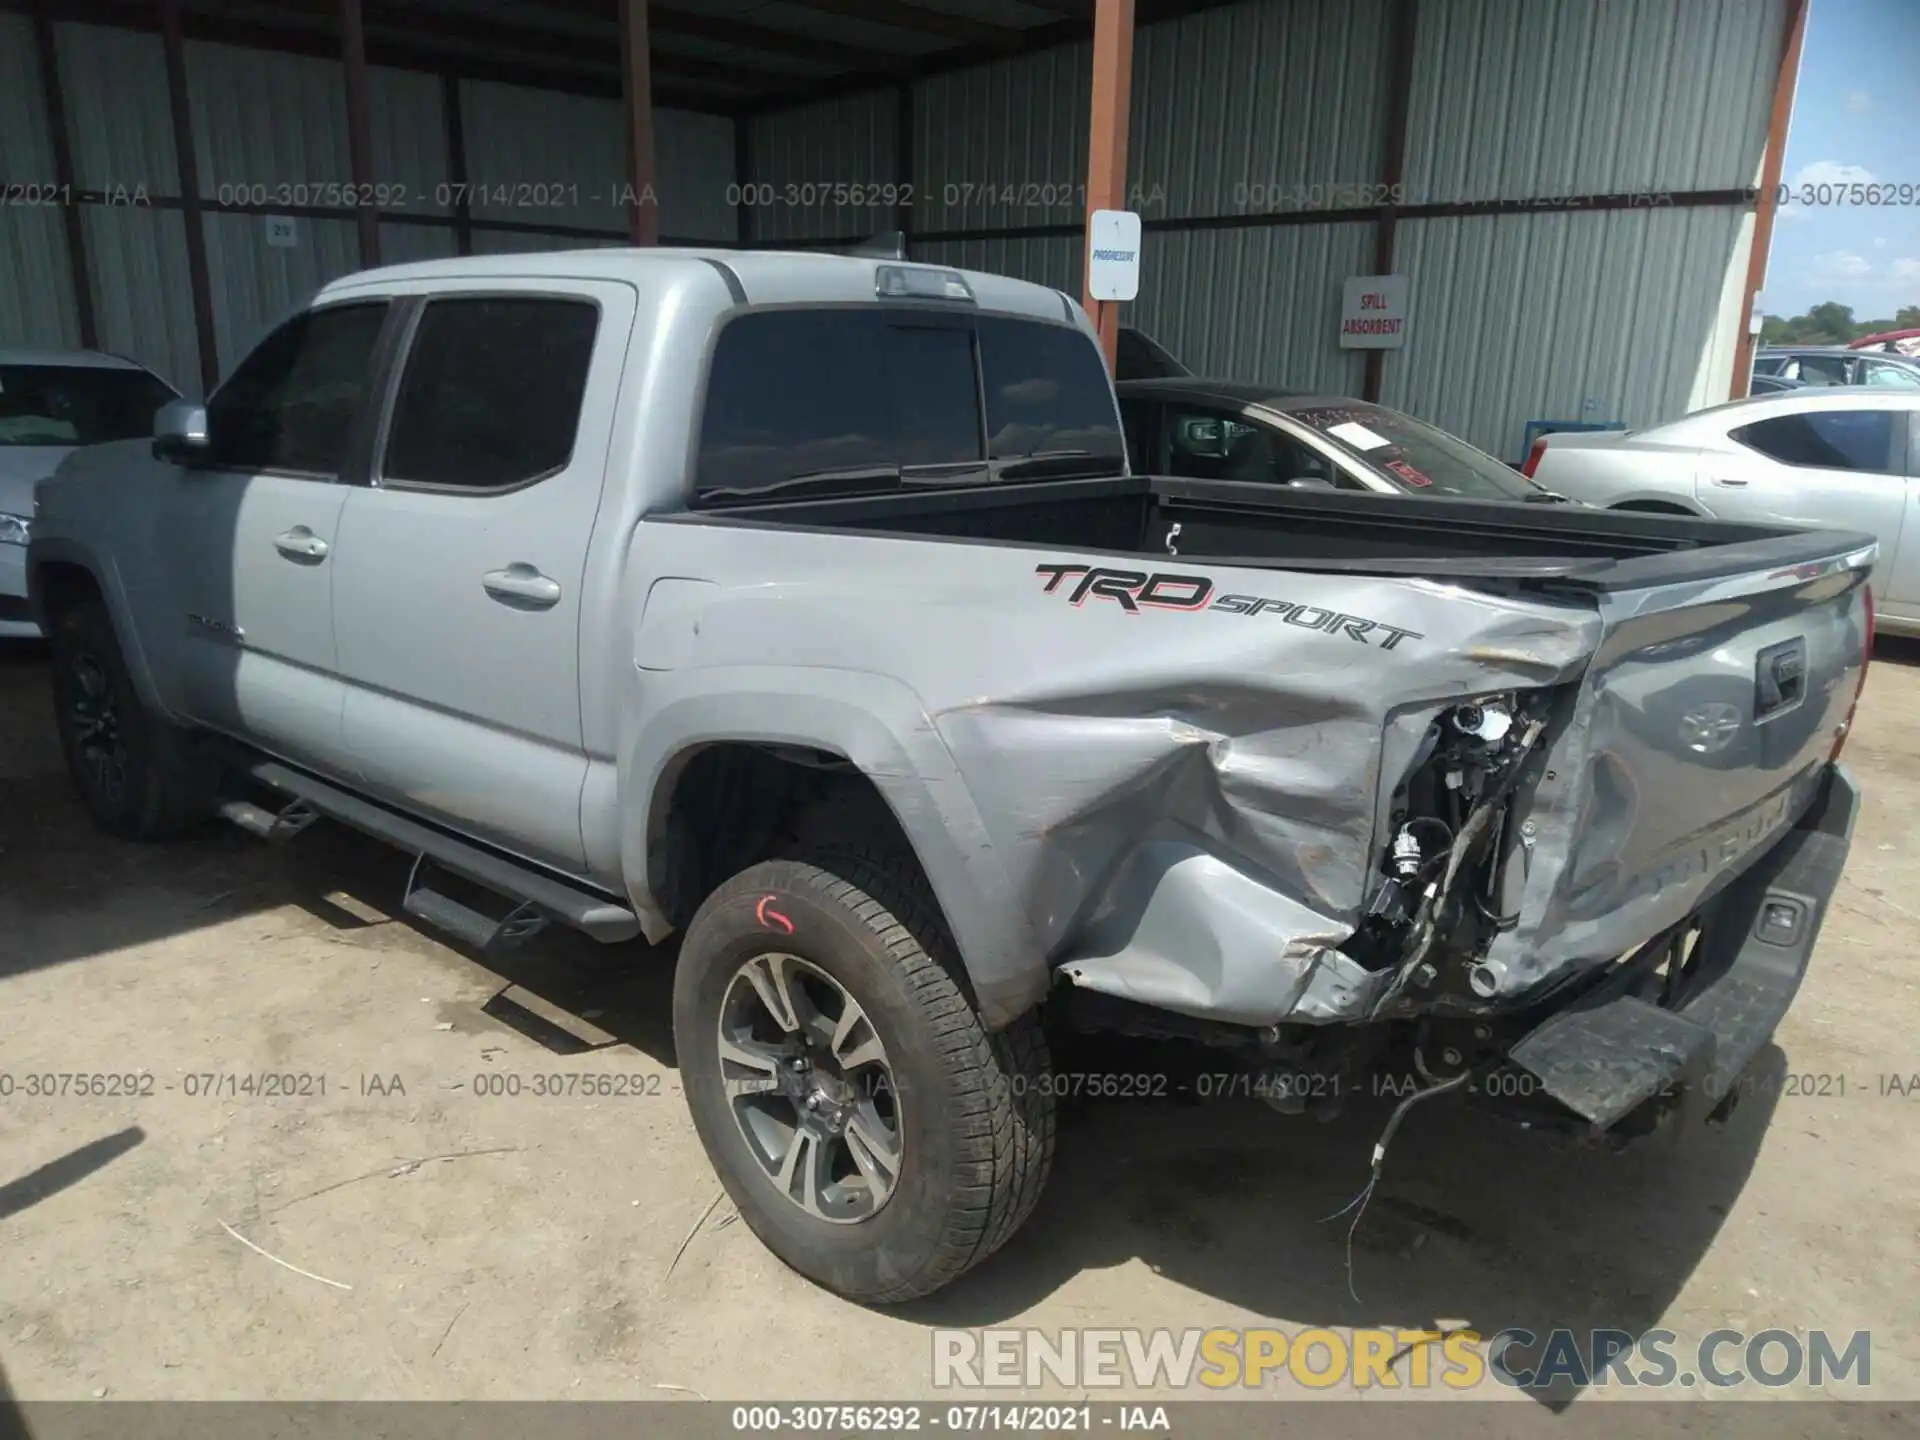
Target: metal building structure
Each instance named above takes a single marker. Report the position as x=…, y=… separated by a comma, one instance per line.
x=1572, y=187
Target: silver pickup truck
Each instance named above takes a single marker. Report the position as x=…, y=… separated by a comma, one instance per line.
x=803, y=606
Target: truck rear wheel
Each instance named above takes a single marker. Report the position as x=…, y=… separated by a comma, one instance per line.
x=872, y=1132
x=134, y=769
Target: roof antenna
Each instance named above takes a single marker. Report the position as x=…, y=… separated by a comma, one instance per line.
x=882, y=245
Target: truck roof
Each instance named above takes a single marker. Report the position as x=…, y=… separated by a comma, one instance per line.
x=81, y=359
x=756, y=276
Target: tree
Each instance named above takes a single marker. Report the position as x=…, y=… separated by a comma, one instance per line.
x=1831, y=323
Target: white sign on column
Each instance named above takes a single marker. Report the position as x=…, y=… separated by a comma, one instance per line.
x=1113, y=255
x=1373, y=313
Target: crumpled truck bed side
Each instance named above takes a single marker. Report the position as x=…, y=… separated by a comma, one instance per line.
x=1180, y=784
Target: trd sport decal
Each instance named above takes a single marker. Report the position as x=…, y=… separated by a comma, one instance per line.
x=1135, y=590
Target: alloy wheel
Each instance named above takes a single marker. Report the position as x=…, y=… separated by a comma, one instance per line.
x=809, y=1084
x=95, y=720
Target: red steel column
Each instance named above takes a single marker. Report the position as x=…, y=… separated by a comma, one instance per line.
x=636, y=86
x=1107, y=143
x=353, y=51
x=1769, y=193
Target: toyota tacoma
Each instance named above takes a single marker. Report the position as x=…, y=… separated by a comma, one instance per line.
x=804, y=607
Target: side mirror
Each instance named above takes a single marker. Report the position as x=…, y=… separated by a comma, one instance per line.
x=180, y=432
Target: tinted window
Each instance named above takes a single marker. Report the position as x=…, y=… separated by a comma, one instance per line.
x=1141, y=418
x=293, y=400
x=1047, y=391
x=491, y=393
x=1829, y=440
x=811, y=394
x=1137, y=356
x=1217, y=445
x=76, y=404
x=1820, y=369
x=1415, y=456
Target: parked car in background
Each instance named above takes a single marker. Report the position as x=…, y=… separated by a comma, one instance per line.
x=1813, y=456
x=1772, y=384
x=1141, y=357
x=51, y=403
x=1838, y=365
x=1230, y=430
x=1894, y=342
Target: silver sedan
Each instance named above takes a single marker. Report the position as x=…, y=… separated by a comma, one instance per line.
x=1848, y=458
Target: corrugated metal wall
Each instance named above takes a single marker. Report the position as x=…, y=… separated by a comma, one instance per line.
x=36, y=291
x=1588, y=96
x=1280, y=106
x=825, y=170
x=270, y=129
x=1243, y=110
x=1592, y=316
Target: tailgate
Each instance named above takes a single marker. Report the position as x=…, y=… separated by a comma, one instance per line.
x=1701, y=732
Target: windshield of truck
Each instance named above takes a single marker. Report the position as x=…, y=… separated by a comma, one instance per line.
x=1415, y=456
x=872, y=398
x=76, y=404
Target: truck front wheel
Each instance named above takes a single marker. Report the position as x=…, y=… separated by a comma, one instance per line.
x=872, y=1132
x=134, y=769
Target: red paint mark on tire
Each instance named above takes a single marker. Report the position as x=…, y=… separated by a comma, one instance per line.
x=771, y=919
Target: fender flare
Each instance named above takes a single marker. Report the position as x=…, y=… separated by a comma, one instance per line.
x=61, y=550
x=882, y=727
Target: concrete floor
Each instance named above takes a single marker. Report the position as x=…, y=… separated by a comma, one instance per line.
x=461, y=1244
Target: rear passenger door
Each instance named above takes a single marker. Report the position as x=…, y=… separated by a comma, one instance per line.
x=458, y=588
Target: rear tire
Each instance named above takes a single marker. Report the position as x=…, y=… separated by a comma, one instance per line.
x=961, y=1144
x=135, y=771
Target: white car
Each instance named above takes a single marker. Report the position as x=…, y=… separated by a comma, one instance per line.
x=1847, y=458
x=51, y=403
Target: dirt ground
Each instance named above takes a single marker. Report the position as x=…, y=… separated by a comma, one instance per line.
x=462, y=1243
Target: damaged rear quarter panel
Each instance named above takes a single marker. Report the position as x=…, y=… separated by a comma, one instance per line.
x=1228, y=763
x=1187, y=799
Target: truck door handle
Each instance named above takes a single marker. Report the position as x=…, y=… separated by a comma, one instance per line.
x=1728, y=482
x=300, y=543
x=522, y=586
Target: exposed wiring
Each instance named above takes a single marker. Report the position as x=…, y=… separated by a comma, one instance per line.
x=1359, y=1202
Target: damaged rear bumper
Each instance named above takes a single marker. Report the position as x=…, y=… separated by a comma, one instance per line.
x=1616, y=1049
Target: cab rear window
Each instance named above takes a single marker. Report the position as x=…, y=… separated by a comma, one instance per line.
x=833, y=401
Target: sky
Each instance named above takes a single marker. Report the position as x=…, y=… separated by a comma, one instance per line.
x=1856, y=117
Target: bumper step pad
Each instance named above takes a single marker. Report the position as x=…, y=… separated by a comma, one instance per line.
x=1611, y=1052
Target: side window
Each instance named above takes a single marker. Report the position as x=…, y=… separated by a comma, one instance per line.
x=1822, y=369
x=799, y=395
x=1897, y=377
x=1215, y=445
x=490, y=397
x=1827, y=440
x=292, y=402
x=1047, y=391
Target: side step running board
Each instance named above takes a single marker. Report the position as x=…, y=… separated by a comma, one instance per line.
x=277, y=826
x=540, y=894
x=480, y=930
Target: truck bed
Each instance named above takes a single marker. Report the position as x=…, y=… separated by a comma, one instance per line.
x=1192, y=790
x=1265, y=526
